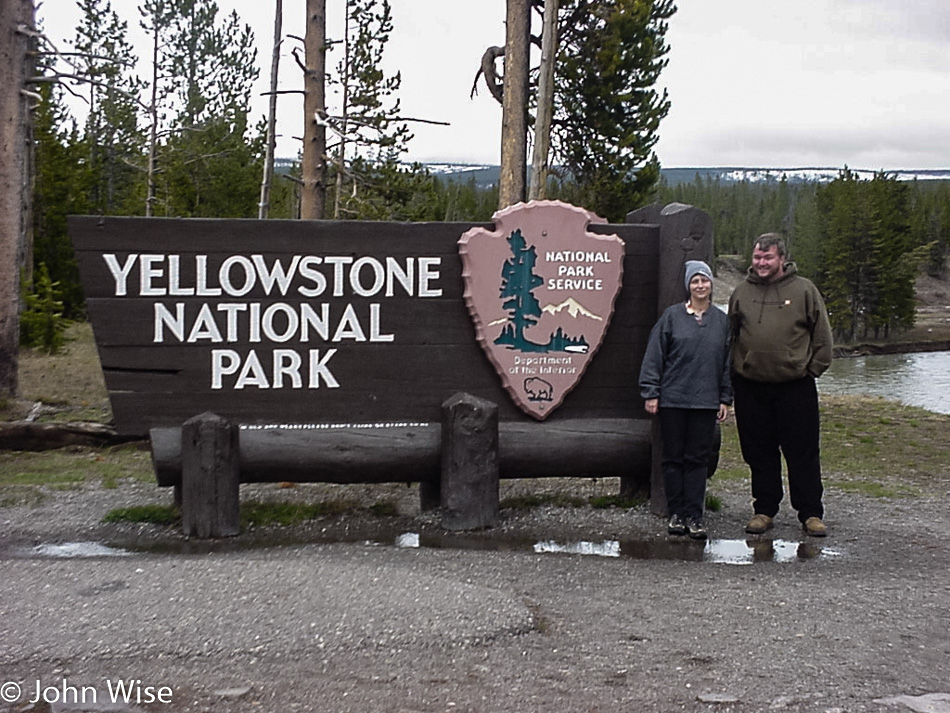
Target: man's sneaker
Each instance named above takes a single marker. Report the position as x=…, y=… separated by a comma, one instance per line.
x=759, y=524
x=696, y=529
x=815, y=527
x=677, y=526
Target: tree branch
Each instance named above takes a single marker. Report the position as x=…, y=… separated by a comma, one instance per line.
x=492, y=78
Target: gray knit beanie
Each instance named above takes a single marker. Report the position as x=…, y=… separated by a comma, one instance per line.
x=696, y=267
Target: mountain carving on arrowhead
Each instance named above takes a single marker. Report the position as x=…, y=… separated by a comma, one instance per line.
x=573, y=307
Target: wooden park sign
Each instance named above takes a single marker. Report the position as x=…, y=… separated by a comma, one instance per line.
x=322, y=322
x=541, y=272
x=345, y=351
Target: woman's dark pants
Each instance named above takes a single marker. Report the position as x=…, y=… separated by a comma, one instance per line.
x=688, y=437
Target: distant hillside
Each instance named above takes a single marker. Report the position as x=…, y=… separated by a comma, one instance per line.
x=731, y=174
x=487, y=175
x=484, y=176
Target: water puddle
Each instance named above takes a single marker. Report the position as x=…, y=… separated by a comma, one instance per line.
x=718, y=551
x=69, y=550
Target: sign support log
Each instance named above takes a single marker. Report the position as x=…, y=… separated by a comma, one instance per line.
x=685, y=234
x=469, y=463
x=210, y=477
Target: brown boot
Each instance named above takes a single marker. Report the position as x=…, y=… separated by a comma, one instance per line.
x=815, y=527
x=759, y=524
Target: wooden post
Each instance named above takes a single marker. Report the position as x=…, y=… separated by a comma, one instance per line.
x=538, y=185
x=210, y=477
x=514, y=127
x=263, y=208
x=685, y=234
x=469, y=463
x=313, y=160
x=16, y=179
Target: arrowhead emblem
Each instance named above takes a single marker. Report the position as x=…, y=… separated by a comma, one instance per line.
x=541, y=291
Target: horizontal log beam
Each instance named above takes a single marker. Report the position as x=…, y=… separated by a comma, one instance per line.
x=593, y=448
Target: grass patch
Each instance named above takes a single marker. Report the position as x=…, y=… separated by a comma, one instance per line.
x=713, y=503
x=869, y=446
x=731, y=466
x=71, y=381
x=73, y=467
x=384, y=508
x=55, y=469
x=152, y=514
x=881, y=448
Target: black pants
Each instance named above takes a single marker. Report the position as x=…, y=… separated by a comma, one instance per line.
x=688, y=436
x=776, y=420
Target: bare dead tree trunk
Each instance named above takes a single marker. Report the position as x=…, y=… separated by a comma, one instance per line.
x=153, y=129
x=17, y=21
x=264, y=206
x=313, y=190
x=542, y=122
x=514, y=127
x=344, y=124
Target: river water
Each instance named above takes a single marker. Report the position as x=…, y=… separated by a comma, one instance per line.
x=919, y=379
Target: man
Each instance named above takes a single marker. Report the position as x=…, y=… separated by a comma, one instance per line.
x=782, y=342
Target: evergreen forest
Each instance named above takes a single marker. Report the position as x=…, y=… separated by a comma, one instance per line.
x=862, y=241
x=182, y=142
x=174, y=135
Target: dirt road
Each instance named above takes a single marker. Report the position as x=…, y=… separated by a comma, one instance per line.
x=559, y=609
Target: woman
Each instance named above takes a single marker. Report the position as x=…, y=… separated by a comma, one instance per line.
x=685, y=379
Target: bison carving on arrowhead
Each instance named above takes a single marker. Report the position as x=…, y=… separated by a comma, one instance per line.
x=538, y=389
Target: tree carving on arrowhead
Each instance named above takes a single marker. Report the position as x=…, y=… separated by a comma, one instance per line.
x=518, y=282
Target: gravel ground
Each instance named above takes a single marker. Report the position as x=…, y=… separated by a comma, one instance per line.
x=336, y=616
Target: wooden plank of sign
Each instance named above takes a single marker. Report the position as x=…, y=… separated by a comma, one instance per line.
x=433, y=354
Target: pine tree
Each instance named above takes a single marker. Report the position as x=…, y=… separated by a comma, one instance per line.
x=368, y=130
x=869, y=257
x=112, y=136
x=607, y=108
x=395, y=192
x=204, y=70
x=930, y=222
x=518, y=282
x=844, y=278
x=895, y=259
x=42, y=323
x=805, y=228
x=62, y=186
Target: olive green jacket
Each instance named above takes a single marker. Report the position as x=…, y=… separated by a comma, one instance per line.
x=780, y=330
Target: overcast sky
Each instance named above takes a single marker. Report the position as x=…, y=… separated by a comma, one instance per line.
x=753, y=83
